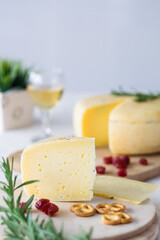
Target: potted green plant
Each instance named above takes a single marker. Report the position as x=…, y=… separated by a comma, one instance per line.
x=15, y=105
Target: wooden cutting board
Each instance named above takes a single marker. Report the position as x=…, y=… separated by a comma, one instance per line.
x=150, y=234
x=134, y=171
x=143, y=219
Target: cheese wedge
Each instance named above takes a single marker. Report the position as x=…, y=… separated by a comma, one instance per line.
x=65, y=167
x=134, y=127
x=91, y=115
x=121, y=189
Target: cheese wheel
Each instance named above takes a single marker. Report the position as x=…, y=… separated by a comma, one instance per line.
x=134, y=127
x=127, y=126
x=91, y=115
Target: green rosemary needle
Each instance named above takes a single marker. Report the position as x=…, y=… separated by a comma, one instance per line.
x=139, y=97
x=20, y=225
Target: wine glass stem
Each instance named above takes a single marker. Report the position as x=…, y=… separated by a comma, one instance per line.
x=46, y=122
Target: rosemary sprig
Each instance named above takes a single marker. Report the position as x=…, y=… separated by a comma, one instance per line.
x=139, y=97
x=20, y=225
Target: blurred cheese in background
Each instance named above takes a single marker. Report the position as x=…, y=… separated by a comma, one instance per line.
x=134, y=127
x=128, y=127
x=91, y=117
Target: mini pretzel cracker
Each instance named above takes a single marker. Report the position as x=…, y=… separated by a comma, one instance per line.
x=111, y=219
x=83, y=209
x=74, y=206
x=125, y=217
x=103, y=208
x=117, y=207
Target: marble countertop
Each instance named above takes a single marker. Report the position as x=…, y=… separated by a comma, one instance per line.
x=14, y=140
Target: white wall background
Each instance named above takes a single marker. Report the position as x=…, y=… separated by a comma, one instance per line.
x=100, y=44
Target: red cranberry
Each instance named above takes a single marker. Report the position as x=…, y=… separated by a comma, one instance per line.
x=21, y=204
x=120, y=163
x=122, y=172
x=50, y=209
x=41, y=202
x=107, y=160
x=143, y=161
x=125, y=158
x=100, y=169
x=114, y=160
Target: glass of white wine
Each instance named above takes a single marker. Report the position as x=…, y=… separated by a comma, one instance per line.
x=45, y=89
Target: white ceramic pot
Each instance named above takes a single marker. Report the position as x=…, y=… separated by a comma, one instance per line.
x=15, y=109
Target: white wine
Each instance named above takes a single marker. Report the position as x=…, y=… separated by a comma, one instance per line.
x=44, y=96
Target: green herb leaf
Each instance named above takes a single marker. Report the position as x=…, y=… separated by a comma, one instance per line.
x=139, y=97
x=26, y=183
x=19, y=224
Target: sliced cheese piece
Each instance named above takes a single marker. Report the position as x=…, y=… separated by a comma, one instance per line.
x=122, y=189
x=134, y=127
x=65, y=167
x=91, y=116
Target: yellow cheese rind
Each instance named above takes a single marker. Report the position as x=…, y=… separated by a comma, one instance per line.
x=130, y=111
x=134, y=128
x=64, y=166
x=139, y=138
x=117, y=199
x=91, y=116
x=121, y=189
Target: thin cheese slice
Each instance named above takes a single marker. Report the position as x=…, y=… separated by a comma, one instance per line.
x=121, y=189
x=64, y=166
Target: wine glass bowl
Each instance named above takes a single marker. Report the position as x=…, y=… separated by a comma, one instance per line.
x=45, y=89
x=45, y=97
